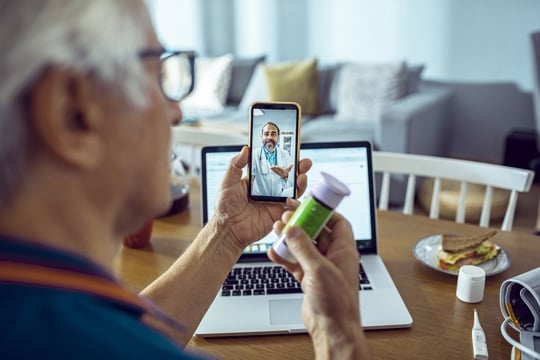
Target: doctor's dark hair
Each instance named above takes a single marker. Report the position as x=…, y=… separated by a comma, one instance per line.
x=273, y=124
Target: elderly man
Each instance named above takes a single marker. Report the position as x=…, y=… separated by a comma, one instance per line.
x=87, y=98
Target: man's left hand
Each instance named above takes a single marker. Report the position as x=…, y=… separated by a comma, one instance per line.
x=249, y=220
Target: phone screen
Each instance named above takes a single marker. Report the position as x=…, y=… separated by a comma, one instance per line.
x=274, y=142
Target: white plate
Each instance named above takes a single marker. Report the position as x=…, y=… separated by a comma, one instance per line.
x=426, y=250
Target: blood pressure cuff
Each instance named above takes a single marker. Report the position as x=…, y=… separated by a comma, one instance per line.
x=520, y=300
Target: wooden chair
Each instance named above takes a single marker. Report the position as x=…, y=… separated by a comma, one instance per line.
x=512, y=179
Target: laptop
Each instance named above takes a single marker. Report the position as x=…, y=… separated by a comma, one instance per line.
x=273, y=306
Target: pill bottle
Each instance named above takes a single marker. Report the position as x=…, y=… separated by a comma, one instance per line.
x=314, y=211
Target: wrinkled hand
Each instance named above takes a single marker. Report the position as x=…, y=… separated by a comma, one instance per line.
x=282, y=172
x=328, y=272
x=248, y=220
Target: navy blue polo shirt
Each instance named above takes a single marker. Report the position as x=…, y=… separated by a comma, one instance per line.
x=44, y=322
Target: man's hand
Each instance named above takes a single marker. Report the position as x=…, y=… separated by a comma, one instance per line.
x=328, y=273
x=249, y=220
x=282, y=172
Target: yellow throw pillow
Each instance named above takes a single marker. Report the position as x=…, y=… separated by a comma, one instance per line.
x=294, y=81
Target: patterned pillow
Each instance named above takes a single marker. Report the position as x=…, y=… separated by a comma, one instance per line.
x=365, y=89
x=212, y=80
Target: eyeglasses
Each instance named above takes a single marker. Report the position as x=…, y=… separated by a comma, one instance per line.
x=177, y=77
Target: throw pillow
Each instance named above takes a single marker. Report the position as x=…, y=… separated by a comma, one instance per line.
x=212, y=79
x=364, y=90
x=242, y=72
x=256, y=89
x=328, y=88
x=294, y=81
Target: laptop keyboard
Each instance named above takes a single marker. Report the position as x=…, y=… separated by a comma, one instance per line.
x=269, y=280
x=365, y=284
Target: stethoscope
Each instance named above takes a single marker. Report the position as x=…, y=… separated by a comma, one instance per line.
x=260, y=155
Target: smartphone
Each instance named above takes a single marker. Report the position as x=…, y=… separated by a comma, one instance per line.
x=274, y=143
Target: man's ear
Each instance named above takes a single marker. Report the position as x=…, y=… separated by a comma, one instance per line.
x=66, y=118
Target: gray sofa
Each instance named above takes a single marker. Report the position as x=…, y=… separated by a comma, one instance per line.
x=414, y=123
x=481, y=116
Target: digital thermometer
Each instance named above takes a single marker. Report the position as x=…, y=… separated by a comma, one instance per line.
x=480, y=350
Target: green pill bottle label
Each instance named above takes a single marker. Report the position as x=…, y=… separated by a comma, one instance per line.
x=314, y=211
x=311, y=216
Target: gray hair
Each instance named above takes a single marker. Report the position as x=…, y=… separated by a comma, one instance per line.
x=98, y=36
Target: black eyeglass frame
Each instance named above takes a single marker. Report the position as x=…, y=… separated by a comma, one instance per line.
x=164, y=55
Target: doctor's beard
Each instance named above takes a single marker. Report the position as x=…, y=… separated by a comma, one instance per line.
x=270, y=145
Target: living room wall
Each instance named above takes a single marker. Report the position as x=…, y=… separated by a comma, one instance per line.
x=458, y=40
x=480, y=49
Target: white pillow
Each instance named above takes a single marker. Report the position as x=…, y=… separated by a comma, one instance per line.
x=212, y=80
x=365, y=89
x=256, y=90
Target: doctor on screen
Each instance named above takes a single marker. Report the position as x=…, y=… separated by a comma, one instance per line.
x=271, y=166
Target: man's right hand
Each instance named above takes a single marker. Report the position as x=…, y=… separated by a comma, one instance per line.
x=328, y=272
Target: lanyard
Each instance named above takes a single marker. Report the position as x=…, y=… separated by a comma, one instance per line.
x=15, y=272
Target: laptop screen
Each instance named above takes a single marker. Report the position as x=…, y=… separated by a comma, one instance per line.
x=348, y=161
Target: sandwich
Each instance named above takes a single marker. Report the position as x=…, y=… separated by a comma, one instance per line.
x=459, y=250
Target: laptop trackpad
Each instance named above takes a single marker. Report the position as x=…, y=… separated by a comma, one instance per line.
x=285, y=311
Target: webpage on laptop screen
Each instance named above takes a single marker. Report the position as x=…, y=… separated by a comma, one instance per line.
x=347, y=164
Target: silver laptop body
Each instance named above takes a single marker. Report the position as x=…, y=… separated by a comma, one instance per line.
x=234, y=314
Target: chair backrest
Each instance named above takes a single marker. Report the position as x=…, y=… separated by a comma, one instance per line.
x=492, y=176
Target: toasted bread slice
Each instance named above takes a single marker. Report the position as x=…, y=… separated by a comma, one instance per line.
x=455, y=243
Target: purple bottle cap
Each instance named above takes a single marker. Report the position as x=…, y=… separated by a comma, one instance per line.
x=329, y=190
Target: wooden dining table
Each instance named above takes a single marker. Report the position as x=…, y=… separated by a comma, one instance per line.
x=441, y=323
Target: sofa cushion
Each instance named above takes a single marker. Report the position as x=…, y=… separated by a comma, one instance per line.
x=242, y=71
x=364, y=90
x=294, y=81
x=212, y=79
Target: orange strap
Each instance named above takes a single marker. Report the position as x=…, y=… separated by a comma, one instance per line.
x=31, y=274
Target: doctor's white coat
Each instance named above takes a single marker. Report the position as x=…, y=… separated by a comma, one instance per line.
x=265, y=181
